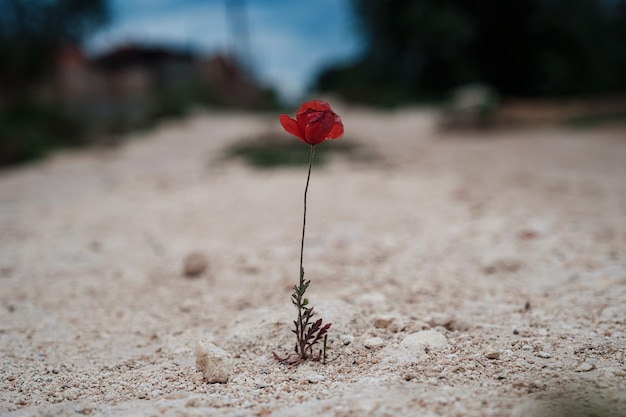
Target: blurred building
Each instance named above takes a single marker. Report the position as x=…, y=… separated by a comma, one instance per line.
x=127, y=79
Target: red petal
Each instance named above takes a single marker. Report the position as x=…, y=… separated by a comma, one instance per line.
x=291, y=126
x=304, y=118
x=337, y=129
x=318, y=129
x=319, y=105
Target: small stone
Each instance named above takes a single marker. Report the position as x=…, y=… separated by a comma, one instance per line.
x=346, y=339
x=492, y=355
x=527, y=234
x=383, y=322
x=195, y=263
x=373, y=342
x=215, y=364
x=425, y=339
x=440, y=319
x=544, y=355
x=314, y=378
x=503, y=266
x=449, y=322
x=585, y=367
x=518, y=384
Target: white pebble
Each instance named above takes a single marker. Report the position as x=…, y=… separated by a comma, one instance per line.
x=373, y=342
x=585, y=367
x=346, y=339
x=314, y=378
x=431, y=339
x=215, y=364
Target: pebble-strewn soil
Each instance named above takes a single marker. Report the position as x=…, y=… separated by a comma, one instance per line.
x=506, y=248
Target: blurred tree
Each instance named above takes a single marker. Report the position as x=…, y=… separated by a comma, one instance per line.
x=423, y=48
x=32, y=30
x=413, y=40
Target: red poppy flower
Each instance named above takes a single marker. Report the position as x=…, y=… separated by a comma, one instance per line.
x=315, y=122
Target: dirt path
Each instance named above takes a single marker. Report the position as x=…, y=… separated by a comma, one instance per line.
x=509, y=245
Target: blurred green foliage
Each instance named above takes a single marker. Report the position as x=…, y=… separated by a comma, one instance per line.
x=272, y=151
x=29, y=130
x=421, y=49
x=597, y=120
x=270, y=154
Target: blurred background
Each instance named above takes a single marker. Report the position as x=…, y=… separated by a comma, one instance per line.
x=76, y=72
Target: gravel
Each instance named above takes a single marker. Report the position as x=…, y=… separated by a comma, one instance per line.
x=510, y=246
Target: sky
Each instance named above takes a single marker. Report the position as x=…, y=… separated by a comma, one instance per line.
x=290, y=40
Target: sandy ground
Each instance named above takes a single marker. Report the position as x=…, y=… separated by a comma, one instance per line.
x=509, y=244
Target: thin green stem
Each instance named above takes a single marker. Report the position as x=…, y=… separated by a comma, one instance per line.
x=306, y=189
x=300, y=326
